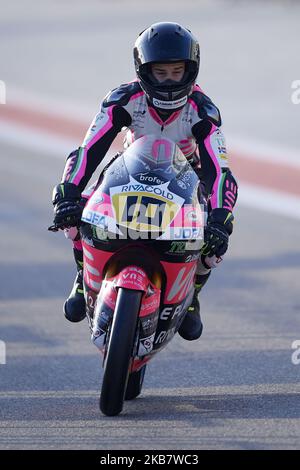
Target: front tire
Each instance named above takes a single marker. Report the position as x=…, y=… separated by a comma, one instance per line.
x=119, y=351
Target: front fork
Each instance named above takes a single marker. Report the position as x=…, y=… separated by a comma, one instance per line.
x=133, y=278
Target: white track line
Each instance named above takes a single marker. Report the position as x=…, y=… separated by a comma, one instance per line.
x=36, y=140
x=52, y=106
x=269, y=153
x=58, y=147
x=268, y=200
x=254, y=149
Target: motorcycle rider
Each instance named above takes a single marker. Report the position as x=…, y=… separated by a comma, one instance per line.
x=164, y=100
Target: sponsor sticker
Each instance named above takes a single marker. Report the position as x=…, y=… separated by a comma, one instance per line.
x=170, y=104
x=146, y=345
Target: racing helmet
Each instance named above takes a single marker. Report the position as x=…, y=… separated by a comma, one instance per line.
x=166, y=43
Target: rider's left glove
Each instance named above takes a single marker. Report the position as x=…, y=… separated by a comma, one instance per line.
x=216, y=233
x=66, y=199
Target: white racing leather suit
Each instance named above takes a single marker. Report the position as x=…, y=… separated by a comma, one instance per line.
x=195, y=128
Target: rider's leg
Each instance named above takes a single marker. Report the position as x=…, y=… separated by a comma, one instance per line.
x=191, y=327
x=74, y=307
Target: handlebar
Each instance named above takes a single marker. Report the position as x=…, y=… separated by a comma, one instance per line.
x=57, y=227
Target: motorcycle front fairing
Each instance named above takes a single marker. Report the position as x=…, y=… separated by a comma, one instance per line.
x=146, y=210
x=149, y=190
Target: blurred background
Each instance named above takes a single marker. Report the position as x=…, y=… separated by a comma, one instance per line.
x=237, y=387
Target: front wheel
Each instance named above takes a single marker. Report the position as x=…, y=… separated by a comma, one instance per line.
x=119, y=351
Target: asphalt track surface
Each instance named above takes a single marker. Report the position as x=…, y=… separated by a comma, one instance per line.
x=235, y=388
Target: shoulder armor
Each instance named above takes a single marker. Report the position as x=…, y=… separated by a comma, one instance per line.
x=206, y=108
x=121, y=95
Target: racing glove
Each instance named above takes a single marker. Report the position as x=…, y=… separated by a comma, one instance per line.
x=216, y=233
x=66, y=199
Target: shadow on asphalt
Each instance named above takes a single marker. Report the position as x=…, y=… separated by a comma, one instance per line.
x=75, y=372
x=70, y=385
x=49, y=280
x=198, y=409
x=37, y=281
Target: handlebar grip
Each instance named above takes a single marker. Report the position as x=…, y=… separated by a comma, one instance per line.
x=57, y=227
x=54, y=228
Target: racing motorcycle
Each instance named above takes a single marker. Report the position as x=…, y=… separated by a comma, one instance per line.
x=142, y=232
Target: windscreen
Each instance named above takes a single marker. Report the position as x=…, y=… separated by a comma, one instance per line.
x=161, y=156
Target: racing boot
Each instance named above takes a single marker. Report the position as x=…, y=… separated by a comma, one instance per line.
x=191, y=327
x=74, y=307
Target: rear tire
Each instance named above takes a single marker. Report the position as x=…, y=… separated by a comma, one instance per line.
x=135, y=383
x=119, y=351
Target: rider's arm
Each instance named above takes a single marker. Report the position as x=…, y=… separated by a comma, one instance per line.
x=219, y=182
x=82, y=163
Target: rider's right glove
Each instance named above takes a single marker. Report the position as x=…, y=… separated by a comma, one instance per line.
x=67, y=208
x=216, y=233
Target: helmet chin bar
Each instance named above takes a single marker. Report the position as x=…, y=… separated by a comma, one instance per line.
x=169, y=105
